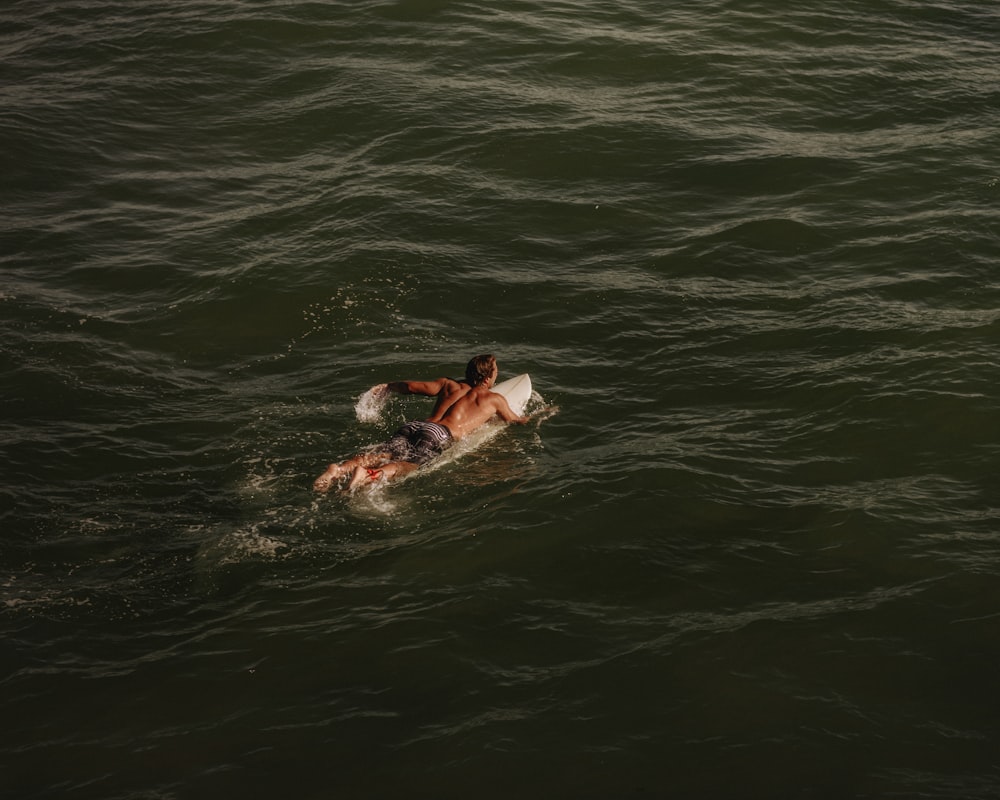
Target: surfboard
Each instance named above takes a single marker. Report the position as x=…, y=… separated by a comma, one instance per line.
x=517, y=391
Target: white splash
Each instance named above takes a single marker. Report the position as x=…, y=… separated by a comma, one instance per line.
x=370, y=406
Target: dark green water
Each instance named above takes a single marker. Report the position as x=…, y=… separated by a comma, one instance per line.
x=749, y=251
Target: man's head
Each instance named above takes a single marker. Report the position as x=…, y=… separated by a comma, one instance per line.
x=480, y=369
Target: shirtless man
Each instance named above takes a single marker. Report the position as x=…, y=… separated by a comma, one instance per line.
x=461, y=407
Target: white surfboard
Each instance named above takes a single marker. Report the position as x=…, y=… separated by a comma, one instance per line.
x=517, y=391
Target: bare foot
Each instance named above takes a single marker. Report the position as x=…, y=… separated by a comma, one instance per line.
x=325, y=481
x=363, y=475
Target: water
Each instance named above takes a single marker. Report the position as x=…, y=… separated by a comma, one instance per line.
x=749, y=252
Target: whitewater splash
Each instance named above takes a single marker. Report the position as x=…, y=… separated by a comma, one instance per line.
x=370, y=406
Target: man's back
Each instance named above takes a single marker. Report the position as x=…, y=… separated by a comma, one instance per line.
x=462, y=408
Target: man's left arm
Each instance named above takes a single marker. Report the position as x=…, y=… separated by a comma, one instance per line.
x=506, y=414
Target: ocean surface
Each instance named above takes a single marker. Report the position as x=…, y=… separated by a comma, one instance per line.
x=749, y=253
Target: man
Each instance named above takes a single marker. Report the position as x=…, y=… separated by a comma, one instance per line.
x=461, y=407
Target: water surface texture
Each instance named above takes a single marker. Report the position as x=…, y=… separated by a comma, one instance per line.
x=748, y=249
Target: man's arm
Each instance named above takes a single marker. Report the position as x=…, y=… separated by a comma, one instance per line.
x=505, y=412
x=428, y=388
x=507, y=415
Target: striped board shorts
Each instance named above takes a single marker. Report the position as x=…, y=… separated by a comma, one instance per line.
x=418, y=442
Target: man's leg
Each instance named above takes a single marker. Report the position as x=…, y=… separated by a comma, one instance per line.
x=387, y=472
